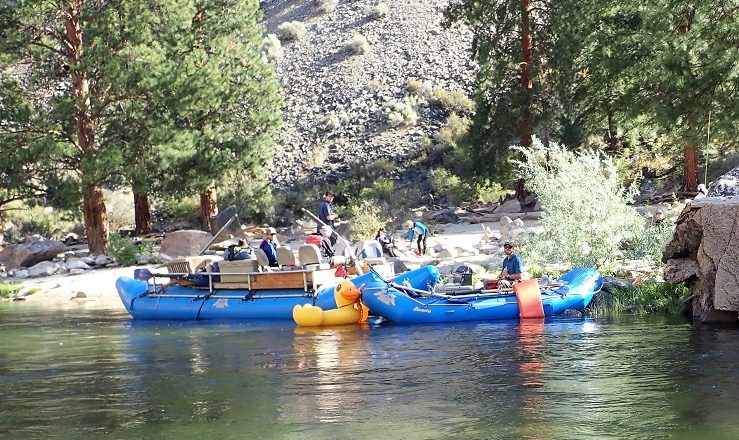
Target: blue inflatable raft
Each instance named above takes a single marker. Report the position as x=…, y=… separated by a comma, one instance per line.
x=410, y=298
x=270, y=295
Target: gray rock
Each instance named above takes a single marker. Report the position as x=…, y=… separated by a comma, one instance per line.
x=508, y=206
x=184, y=243
x=19, y=273
x=102, y=260
x=399, y=265
x=88, y=260
x=77, y=263
x=28, y=254
x=142, y=259
x=43, y=269
x=612, y=283
x=705, y=236
x=447, y=253
x=76, y=271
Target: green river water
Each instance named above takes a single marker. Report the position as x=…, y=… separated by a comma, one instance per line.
x=98, y=375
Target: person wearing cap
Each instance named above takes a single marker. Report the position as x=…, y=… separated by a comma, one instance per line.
x=326, y=211
x=512, y=267
x=269, y=246
x=420, y=231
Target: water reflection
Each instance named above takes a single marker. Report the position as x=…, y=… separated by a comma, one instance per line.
x=81, y=376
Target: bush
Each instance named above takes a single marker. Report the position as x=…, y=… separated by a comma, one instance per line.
x=326, y=6
x=587, y=214
x=380, y=10
x=8, y=289
x=413, y=85
x=272, y=48
x=455, y=129
x=119, y=205
x=358, y=44
x=291, y=31
x=125, y=252
x=446, y=184
x=454, y=101
x=402, y=113
x=650, y=297
x=381, y=191
x=366, y=220
x=27, y=220
x=253, y=198
x=185, y=209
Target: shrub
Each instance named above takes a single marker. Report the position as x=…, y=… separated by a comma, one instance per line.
x=253, y=198
x=366, y=220
x=358, y=44
x=645, y=240
x=8, y=289
x=380, y=10
x=291, y=31
x=455, y=129
x=119, y=205
x=454, y=101
x=650, y=297
x=587, y=215
x=381, y=191
x=402, y=113
x=125, y=252
x=272, y=48
x=413, y=85
x=326, y=6
x=446, y=184
x=185, y=209
x=27, y=220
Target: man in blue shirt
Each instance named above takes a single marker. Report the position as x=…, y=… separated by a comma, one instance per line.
x=269, y=246
x=512, y=267
x=326, y=211
x=418, y=229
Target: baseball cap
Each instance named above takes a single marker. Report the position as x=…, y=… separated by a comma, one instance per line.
x=329, y=193
x=508, y=245
x=271, y=231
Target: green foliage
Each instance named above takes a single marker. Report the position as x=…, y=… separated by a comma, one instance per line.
x=291, y=31
x=185, y=209
x=7, y=289
x=168, y=94
x=455, y=101
x=402, y=113
x=366, y=218
x=381, y=191
x=456, y=128
x=646, y=240
x=253, y=199
x=587, y=215
x=446, y=184
x=125, y=252
x=650, y=297
x=120, y=209
x=29, y=220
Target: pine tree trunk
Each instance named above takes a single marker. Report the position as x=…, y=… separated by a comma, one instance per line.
x=142, y=213
x=526, y=84
x=96, y=220
x=208, y=208
x=95, y=213
x=690, y=176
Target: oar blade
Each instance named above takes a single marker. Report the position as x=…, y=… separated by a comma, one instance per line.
x=142, y=274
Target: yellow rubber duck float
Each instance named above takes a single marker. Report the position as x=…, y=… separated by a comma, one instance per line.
x=349, y=309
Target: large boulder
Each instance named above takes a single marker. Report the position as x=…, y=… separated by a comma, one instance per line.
x=704, y=253
x=28, y=254
x=508, y=207
x=184, y=243
x=43, y=269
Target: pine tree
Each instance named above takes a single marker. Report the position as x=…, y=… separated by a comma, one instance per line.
x=187, y=74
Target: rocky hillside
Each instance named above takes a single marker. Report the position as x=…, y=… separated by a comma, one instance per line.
x=338, y=87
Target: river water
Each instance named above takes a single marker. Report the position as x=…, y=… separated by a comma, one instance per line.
x=98, y=374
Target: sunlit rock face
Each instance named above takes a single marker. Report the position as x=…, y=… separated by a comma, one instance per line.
x=726, y=185
x=704, y=252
